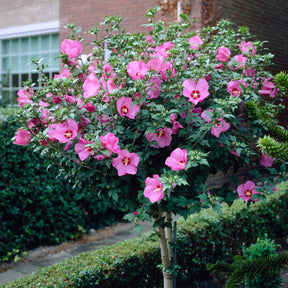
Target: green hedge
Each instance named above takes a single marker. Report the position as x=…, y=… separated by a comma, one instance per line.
x=36, y=208
x=203, y=238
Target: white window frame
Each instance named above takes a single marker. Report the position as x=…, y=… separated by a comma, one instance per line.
x=37, y=29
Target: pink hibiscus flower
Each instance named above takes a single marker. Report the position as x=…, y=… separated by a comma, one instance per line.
x=223, y=54
x=177, y=159
x=250, y=72
x=82, y=150
x=156, y=64
x=126, y=163
x=70, y=99
x=125, y=109
x=219, y=127
x=24, y=96
x=196, y=92
x=89, y=107
x=162, y=51
x=109, y=142
x=71, y=47
x=234, y=88
x=154, y=189
x=108, y=72
x=162, y=137
x=240, y=59
x=91, y=86
x=63, y=132
x=154, y=87
x=195, y=42
x=206, y=115
x=246, y=190
x=137, y=70
x=268, y=88
x=247, y=47
x=176, y=126
x=266, y=160
x=108, y=86
x=65, y=73
x=22, y=137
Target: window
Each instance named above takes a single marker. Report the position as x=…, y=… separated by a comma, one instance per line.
x=16, y=54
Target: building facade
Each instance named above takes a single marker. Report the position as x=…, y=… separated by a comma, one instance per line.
x=30, y=28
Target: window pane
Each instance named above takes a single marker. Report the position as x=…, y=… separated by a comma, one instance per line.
x=5, y=80
x=15, y=46
x=45, y=57
x=55, y=62
x=24, y=45
x=34, y=45
x=5, y=98
x=16, y=57
x=34, y=78
x=5, y=47
x=14, y=97
x=45, y=43
x=5, y=64
x=24, y=77
x=15, y=80
x=24, y=63
x=55, y=42
x=14, y=64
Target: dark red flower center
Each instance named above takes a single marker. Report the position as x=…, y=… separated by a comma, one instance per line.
x=124, y=109
x=248, y=193
x=235, y=91
x=195, y=94
x=161, y=134
x=158, y=188
x=89, y=149
x=126, y=161
x=68, y=134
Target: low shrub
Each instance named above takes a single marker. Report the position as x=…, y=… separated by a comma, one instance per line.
x=262, y=248
x=36, y=208
x=203, y=238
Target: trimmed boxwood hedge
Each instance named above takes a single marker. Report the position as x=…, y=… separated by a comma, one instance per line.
x=36, y=207
x=203, y=238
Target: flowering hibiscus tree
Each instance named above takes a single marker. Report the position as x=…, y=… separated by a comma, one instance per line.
x=147, y=125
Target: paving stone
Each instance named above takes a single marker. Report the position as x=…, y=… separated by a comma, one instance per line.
x=10, y=275
x=119, y=233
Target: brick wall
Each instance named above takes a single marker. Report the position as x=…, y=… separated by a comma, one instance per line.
x=24, y=12
x=267, y=19
x=87, y=13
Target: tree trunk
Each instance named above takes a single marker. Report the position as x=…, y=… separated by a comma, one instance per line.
x=165, y=235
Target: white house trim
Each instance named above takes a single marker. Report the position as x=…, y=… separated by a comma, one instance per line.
x=29, y=30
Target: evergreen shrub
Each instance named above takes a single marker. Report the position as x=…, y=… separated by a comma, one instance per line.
x=36, y=208
x=203, y=238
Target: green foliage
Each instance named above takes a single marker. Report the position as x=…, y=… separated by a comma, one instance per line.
x=261, y=249
x=175, y=64
x=257, y=112
x=203, y=238
x=38, y=208
x=274, y=148
x=260, y=266
x=282, y=80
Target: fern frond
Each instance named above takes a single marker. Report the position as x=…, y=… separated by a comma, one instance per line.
x=251, y=110
x=278, y=132
x=279, y=150
x=237, y=277
x=221, y=267
x=281, y=80
x=270, y=265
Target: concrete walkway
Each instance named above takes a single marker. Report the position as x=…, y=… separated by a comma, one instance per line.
x=46, y=256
